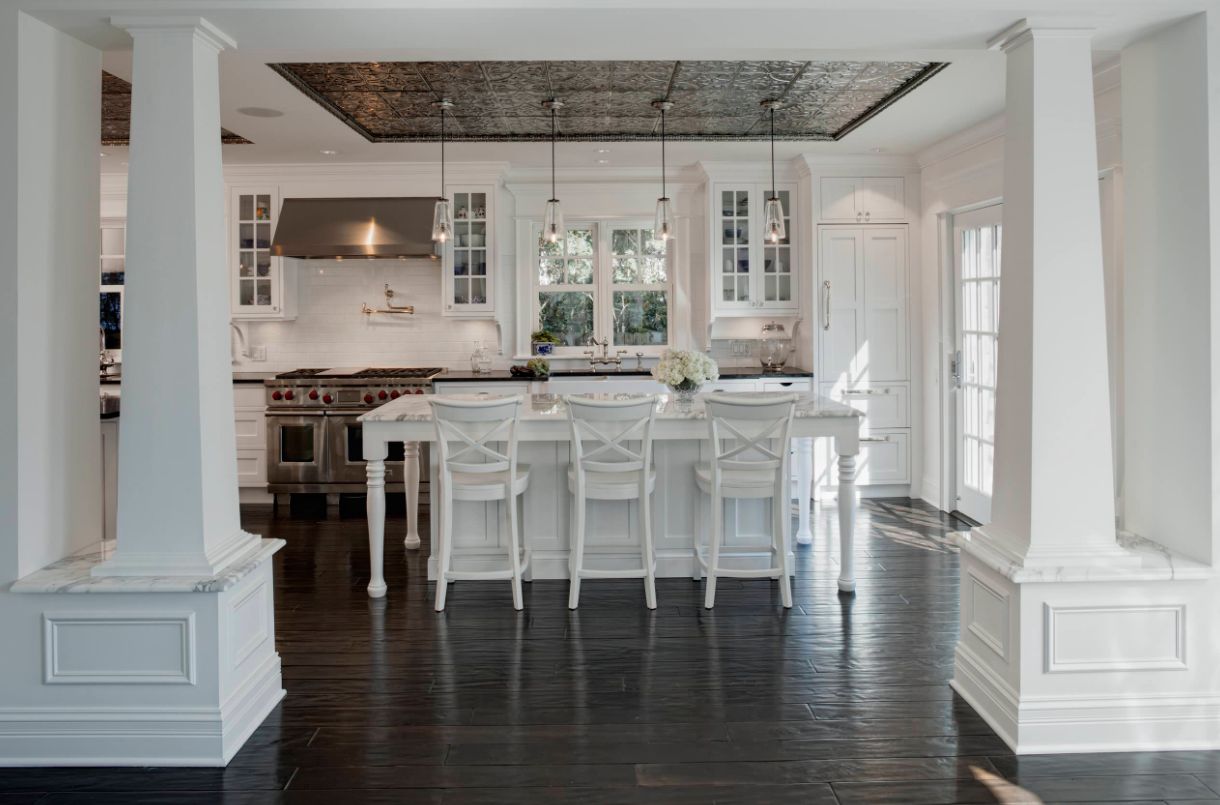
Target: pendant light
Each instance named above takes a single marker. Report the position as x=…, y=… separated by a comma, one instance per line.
x=663, y=225
x=773, y=229
x=442, y=213
x=552, y=219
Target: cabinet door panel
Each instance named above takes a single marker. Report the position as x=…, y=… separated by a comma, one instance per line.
x=842, y=333
x=883, y=199
x=839, y=199
x=884, y=458
x=885, y=294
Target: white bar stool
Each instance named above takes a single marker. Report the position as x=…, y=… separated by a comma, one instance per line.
x=472, y=469
x=605, y=467
x=749, y=443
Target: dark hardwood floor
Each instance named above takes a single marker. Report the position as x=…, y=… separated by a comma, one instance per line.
x=839, y=700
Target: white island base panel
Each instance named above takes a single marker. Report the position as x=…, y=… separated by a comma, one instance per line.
x=679, y=510
x=138, y=671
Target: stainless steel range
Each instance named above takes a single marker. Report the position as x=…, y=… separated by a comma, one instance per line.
x=314, y=441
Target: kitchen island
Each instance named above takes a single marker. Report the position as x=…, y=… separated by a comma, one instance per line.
x=681, y=441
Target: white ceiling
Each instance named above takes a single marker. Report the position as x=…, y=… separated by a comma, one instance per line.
x=971, y=89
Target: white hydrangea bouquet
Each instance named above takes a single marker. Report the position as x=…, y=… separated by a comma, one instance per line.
x=684, y=370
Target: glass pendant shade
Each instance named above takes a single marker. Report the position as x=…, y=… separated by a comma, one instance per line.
x=552, y=222
x=442, y=221
x=774, y=226
x=663, y=226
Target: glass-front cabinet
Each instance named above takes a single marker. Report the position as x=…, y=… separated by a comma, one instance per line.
x=751, y=275
x=112, y=275
x=468, y=257
x=258, y=284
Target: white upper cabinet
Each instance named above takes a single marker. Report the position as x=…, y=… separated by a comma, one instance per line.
x=863, y=304
x=467, y=287
x=749, y=275
x=863, y=200
x=260, y=286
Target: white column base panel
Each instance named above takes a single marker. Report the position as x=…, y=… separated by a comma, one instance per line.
x=139, y=678
x=1113, y=665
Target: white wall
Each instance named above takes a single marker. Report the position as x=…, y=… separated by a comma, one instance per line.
x=330, y=330
x=50, y=452
x=1171, y=265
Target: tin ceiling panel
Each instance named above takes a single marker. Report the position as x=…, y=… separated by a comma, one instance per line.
x=605, y=100
x=116, y=114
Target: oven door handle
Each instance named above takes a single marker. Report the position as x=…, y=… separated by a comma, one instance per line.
x=296, y=414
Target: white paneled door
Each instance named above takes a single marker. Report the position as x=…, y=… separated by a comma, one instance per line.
x=976, y=264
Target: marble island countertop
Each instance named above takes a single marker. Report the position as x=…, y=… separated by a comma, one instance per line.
x=631, y=373
x=551, y=408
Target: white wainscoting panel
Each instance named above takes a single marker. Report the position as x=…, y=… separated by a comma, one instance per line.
x=988, y=618
x=118, y=648
x=251, y=626
x=1119, y=638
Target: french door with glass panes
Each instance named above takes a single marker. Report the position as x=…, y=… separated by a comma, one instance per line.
x=977, y=237
x=752, y=275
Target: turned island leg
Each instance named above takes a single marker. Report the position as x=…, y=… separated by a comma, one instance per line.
x=375, y=455
x=847, y=522
x=411, y=482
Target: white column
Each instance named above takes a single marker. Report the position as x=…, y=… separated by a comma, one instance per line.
x=1054, y=489
x=178, y=508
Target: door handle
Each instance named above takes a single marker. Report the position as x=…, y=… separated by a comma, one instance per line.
x=955, y=369
x=826, y=304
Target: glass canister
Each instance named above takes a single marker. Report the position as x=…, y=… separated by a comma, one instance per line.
x=774, y=347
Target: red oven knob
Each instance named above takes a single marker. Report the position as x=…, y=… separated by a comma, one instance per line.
x=394, y=394
x=288, y=395
x=368, y=399
x=275, y=395
x=381, y=395
x=326, y=398
x=313, y=394
x=419, y=391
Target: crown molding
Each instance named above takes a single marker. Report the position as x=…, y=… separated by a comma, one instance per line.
x=455, y=172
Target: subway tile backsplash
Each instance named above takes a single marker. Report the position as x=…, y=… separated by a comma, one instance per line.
x=330, y=330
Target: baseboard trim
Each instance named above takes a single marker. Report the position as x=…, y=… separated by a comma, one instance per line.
x=1076, y=724
x=150, y=736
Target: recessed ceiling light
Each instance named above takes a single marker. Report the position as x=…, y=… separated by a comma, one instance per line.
x=603, y=150
x=603, y=162
x=102, y=154
x=259, y=111
x=329, y=152
x=878, y=150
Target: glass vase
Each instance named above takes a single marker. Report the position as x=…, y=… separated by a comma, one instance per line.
x=684, y=396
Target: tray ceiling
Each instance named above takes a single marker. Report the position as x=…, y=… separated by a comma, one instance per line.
x=116, y=114
x=605, y=100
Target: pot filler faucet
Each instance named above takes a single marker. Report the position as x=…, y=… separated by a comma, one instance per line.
x=596, y=360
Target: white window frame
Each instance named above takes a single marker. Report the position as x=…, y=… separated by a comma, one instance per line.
x=603, y=285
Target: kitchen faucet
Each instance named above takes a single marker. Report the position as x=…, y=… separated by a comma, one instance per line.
x=596, y=360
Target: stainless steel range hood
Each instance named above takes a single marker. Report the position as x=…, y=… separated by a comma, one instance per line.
x=355, y=227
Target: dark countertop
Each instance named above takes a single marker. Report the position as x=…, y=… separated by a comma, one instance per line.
x=728, y=373
x=238, y=377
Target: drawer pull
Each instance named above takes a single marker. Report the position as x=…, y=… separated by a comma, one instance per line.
x=864, y=392
x=876, y=439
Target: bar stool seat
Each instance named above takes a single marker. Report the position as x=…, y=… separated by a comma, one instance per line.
x=489, y=485
x=752, y=484
x=611, y=485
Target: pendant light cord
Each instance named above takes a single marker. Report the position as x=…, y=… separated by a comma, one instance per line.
x=443, y=152
x=773, y=153
x=552, y=153
x=663, y=153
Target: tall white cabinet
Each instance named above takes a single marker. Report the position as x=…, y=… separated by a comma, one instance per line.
x=863, y=314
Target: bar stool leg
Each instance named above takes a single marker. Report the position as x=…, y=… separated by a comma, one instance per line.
x=579, y=560
x=650, y=582
x=514, y=547
x=445, y=537
x=713, y=565
x=779, y=532
x=696, y=573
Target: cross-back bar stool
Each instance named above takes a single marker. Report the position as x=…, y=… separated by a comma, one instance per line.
x=611, y=460
x=749, y=438
x=474, y=467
